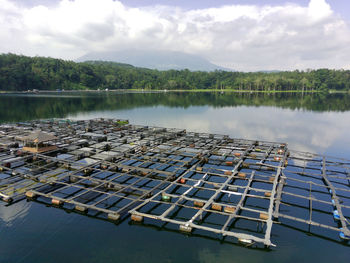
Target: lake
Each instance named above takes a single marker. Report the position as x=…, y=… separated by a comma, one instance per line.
x=32, y=232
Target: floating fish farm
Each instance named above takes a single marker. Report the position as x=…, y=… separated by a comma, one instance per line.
x=235, y=189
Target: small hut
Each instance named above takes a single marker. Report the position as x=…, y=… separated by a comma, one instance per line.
x=38, y=142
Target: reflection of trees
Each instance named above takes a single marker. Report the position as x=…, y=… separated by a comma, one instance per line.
x=18, y=107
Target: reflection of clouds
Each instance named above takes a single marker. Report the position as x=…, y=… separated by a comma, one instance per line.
x=299, y=158
x=14, y=211
x=302, y=130
x=157, y=116
x=302, y=147
x=189, y=123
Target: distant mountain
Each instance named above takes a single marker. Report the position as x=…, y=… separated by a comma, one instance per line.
x=109, y=63
x=161, y=60
x=269, y=71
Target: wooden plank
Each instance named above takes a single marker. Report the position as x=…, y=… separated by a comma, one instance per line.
x=269, y=221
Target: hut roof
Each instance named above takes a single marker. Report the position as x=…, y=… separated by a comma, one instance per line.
x=39, y=136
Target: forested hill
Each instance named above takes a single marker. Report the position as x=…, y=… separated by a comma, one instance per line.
x=21, y=73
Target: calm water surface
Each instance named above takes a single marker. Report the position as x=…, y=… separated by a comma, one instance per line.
x=31, y=232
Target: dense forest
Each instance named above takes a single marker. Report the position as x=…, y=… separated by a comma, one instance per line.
x=22, y=73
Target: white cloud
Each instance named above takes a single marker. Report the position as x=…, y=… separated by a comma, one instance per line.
x=319, y=9
x=243, y=37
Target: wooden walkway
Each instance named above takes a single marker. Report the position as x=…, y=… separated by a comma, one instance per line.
x=235, y=188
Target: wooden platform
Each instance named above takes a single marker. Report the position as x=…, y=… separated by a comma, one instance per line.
x=40, y=149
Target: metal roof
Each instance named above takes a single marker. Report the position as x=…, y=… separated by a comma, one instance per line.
x=39, y=136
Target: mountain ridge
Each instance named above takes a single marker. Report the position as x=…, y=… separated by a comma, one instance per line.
x=160, y=60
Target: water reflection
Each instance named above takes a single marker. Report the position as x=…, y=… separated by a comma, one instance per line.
x=324, y=132
x=25, y=107
x=313, y=122
x=8, y=214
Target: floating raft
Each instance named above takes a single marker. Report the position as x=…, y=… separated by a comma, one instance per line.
x=196, y=181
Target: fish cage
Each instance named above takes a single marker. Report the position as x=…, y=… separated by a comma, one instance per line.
x=196, y=182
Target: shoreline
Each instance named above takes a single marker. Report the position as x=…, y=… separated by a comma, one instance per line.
x=182, y=90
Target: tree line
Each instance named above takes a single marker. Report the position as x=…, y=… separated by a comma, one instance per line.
x=22, y=73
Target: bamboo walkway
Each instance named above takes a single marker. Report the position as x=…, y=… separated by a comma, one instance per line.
x=199, y=182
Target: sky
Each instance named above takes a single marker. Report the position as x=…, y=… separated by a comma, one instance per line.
x=245, y=35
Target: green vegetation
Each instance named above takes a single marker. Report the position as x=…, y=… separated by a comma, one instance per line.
x=21, y=73
x=122, y=122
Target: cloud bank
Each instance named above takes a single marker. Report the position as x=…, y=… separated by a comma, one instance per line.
x=242, y=37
